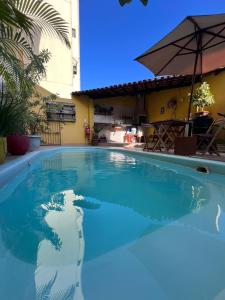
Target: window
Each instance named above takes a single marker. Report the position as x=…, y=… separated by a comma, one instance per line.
x=74, y=33
x=60, y=111
x=75, y=69
x=75, y=65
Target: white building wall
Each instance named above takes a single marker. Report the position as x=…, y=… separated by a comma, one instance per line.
x=60, y=77
x=76, y=43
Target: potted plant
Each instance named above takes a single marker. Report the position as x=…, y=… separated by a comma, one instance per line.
x=36, y=120
x=17, y=144
x=12, y=124
x=14, y=101
x=202, y=98
x=3, y=149
x=95, y=137
x=17, y=140
x=3, y=127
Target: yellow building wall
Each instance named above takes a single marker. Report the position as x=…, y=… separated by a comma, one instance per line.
x=217, y=84
x=74, y=133
x=154, y=102
x=157, y=100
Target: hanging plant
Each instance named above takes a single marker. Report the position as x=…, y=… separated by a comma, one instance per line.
x=202, y=97
x=172, y=103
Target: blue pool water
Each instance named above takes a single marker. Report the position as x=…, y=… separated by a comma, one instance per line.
x=105, y=225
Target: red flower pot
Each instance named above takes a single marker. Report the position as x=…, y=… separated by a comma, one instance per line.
x=17, y=144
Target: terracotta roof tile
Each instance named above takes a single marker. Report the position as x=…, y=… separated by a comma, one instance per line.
x=147, y=85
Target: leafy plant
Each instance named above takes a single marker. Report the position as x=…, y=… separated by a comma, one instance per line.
x=20, y=21
x=12, y=114
x=203, y=97
x=16, y=104
x=20, y=68
x=10, y=122
x=96, y=129
x=36, y=120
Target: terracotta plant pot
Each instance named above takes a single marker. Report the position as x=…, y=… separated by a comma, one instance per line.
x=17, y=144
x=201, y=114
x=3, y=149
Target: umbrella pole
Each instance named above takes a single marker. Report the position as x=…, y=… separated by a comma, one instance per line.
x=193, y=84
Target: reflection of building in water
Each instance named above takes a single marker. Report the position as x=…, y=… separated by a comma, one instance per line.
x=58, y=272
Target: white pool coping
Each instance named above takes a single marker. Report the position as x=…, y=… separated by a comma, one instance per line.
x=14, y=167
x=192, y=162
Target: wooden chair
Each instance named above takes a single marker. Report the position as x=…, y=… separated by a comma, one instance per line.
x=207, y=141
x=150, y=140
x=172, y=134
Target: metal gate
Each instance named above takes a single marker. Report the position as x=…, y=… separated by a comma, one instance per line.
x=51, y=134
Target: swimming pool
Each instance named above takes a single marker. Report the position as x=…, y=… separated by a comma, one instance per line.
x=93, y=224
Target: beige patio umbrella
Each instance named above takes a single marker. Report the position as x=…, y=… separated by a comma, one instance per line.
x=196, y=46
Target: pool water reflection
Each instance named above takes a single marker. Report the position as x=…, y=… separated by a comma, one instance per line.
x=88, y=224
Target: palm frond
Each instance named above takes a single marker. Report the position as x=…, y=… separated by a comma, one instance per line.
x=14, y=42
x=10, y=16
x=44, y=18
x=65, y=294
x=44, y=291
x=9, y=69
x=19, y=22
x=19, y=76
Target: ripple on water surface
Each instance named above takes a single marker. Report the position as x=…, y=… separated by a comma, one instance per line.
x=97, y=225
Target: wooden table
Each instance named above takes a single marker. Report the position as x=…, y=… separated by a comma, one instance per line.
x=165, y=133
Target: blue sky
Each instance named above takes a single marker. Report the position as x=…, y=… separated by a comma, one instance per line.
x=112, y=36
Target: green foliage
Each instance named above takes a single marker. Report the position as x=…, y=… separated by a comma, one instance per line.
x=30, y=16
x=30, y=74
x=20, y=68
x=20, y=20
x=11, y=16
x=203, y=97
x=96, y=129
x=16, y=104
x=44, y=18
x=123, y=2
x=12, y=114
x=36, y=119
